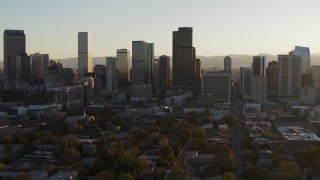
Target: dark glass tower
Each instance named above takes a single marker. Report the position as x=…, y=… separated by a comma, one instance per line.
x=183, y=58
x=14, y=44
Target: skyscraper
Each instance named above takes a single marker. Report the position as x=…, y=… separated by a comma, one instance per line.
x=183, y=58
x=227, y=64
x=14, y=44
x=84, y=53
x=100, y=81
x=245, y=85
x=272, y=76
x=142, y=63
x=164, y=73
x=304, y=53
x=289, y=70
x=259, y=66
x=23, y=68
x=112, y=75
x=123, y=56
x=315, y=70
x=40, y=64
x=156, y=73
x=198, y=76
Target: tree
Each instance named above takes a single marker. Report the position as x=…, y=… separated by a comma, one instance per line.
x=71, y=156
x=105, y=175
x=249, y=172
x=228, y=176
x=229, y=163
x=179, y=172
x=24, y=176
x=125, y=176
x=167, y=153
x=288, y=170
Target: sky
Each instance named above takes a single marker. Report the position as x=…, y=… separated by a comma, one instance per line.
x=220, y=27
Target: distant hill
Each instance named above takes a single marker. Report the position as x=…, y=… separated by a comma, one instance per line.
x=238, y=60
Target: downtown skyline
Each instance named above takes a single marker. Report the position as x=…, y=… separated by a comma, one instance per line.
x=220, y=28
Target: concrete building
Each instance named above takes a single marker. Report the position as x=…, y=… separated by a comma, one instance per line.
x=142, y=63
x=84, y=53
x=308, y=94
x=140, y=92
x=156, y=73
x=304, y=53
x=183, y=58
x=315, y=71
x=244, y=82
x=23, y=68
x=227, y=65
x=112, y=74
x=123, y=56
x=164, y=73
x=198, y=76
x=14, y=43
x=272, y=76
x=258, y=88
x=259, y=66
x=217, y=84
x=289, y=70
x=100, y=81
x=40, y=64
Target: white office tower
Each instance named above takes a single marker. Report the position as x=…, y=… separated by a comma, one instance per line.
x=84, y=53
x=258, y=88
x=244, y=86
x=289, y=70
x=112, y=75
x=217, y=85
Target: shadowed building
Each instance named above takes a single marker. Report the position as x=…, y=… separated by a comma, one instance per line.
x=14, y=44
x=227, y=64
x=272, y=79
x=142, y=63
x=245, y=85
x=164, y=73
x=183, y=58
x=40, y=65
x=259, y=66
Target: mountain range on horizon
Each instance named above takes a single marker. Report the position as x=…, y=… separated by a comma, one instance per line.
x=238, y=60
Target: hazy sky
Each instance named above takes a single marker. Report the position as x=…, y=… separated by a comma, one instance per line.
x=220, y=27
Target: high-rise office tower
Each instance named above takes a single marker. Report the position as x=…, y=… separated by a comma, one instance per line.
x=123, y=56
x=259, y=66
x=198, y=76
x=100, y=81
x=40, y=64
x=272, y=76
x=164, y=73
x=156, y=73
x=183, y=58
x=14, y=44
x=289, y=70
x=142, y=63
x=217, y=85
x=245, y=85
x=84, y=53
x=112, y=75
x=258, y=88
x=306, y=77
x=23, y=68
x=227, y=64
x=315, y=70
